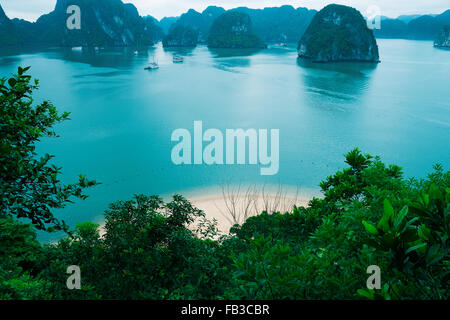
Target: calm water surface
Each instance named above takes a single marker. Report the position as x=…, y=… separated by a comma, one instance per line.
x=123, y=116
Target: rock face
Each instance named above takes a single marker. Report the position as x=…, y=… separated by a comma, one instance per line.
x=181, y=36
x=338, y=33
x=104, y=23
x=443, y=40
x=233, y=29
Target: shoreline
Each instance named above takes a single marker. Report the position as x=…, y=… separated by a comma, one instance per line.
x=230, y=204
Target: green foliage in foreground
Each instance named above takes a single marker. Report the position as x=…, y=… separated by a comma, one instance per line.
x=369, y=215
x=154, y=250
x=29, y=186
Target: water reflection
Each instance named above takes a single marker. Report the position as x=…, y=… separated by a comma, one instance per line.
x=180, y=51
x=6, y=61
x=227, y=53
x=339, y=82
x=100, y=57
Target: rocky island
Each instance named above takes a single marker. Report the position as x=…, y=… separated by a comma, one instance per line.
x=443, y=40
x=104, y=23
x=234, y=30
x=338, y=33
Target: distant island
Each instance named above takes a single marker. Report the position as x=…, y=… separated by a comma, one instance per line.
x=414, y=27
x=233, y=29
x=443, y=40
x=338, y=33
x=181, y=36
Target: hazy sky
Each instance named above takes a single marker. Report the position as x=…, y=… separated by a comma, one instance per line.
x=32, y=9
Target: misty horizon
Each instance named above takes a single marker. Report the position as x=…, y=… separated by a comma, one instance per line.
x=12, y=13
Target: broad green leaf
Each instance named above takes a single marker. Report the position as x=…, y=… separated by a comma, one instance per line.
x=421, y=245
x=370, y=228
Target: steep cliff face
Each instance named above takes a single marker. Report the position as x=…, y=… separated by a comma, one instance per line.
x=338, y=33
x=8, y=32
x=233, y=29
x=443, y=40
x=153, y=29
x=103, y=23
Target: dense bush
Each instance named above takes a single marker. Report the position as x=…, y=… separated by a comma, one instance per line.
x=369, y=215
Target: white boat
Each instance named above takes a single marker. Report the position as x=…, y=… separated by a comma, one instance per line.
x=152, y=66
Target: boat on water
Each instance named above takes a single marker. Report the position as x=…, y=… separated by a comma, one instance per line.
x=281, y=45
x=152, y=66
x=178, y=59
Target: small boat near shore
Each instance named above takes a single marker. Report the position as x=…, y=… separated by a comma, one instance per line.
x=178, y=59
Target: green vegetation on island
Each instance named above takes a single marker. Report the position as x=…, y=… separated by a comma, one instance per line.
x=369, y=215
x=233, y=29
x=338, y=33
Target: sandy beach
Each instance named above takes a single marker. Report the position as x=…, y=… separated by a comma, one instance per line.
x=227, y=212
x=229, y=205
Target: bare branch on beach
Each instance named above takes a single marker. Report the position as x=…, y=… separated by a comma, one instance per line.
x=239, y=206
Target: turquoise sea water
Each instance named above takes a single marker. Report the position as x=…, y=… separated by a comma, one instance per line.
x=123, y=116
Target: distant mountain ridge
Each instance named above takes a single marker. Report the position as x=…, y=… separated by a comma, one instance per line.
x=275, y=24
x=114, y=23
x=201, y=22
x=416, y=27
